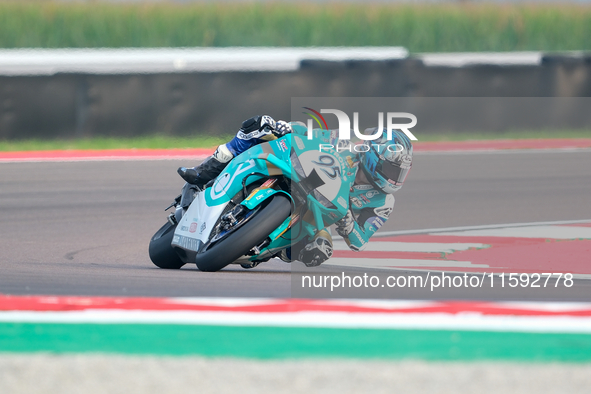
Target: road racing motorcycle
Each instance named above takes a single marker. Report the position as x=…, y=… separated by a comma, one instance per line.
x=273, y=196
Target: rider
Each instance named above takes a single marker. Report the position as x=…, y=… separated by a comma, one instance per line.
x=383, y=171
x=254, y=131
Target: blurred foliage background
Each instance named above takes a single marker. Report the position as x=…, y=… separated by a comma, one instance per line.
x=420, y=27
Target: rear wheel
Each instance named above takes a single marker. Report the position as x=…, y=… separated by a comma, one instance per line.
x=243, y=239
x=161, y=252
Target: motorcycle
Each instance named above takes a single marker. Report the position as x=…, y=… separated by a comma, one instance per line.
x=273, y=196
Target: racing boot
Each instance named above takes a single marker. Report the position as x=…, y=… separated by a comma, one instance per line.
x=209, y=169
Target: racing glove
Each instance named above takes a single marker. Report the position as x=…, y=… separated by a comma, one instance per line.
x=345, y=226
x=258, y=125
x=282, y=128
x=317, y=251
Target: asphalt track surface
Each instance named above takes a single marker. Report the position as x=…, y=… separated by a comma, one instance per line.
x=82, y=228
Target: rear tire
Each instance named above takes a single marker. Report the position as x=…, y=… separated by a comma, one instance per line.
x=243, y=239
x=161, y=252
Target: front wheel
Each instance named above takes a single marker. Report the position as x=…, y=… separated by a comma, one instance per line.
x=243, y=239
x=161, y=252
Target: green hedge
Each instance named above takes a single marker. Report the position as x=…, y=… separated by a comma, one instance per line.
x=417, y=27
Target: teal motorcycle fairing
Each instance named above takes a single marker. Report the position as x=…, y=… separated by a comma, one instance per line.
x=316, y=181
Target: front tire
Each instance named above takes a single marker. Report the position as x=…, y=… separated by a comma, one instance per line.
x=243, y=239
x=161, y=252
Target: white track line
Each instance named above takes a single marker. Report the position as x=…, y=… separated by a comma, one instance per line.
x=425, y=321
x=549, y=232
x=482, y=227
x=392, y=263
x=502, y=151
x=426, y=247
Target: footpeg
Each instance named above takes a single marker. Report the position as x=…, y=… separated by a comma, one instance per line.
x=172, y=219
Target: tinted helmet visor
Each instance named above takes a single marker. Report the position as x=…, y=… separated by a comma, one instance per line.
x=392, y=172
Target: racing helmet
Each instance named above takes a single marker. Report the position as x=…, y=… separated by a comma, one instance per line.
x=386, y=163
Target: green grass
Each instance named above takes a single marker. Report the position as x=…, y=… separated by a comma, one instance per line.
x=206, y=141
x=427, y=27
